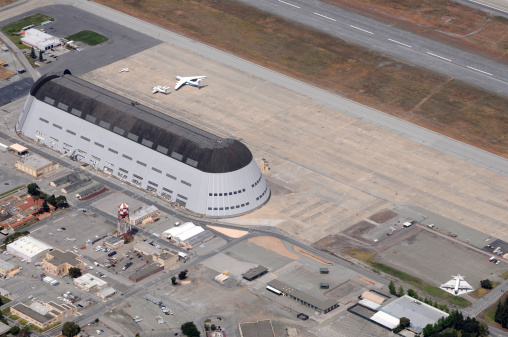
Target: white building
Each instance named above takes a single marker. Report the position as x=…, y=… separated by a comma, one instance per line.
x=190, y=167
x=29, y=248
x=89, y=282
x=40, y=40
x=187, y=234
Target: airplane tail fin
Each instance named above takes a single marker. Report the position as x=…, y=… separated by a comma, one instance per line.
x=198, y=82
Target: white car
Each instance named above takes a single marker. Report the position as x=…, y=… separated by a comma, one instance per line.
x=90, y=267
x=51, y=234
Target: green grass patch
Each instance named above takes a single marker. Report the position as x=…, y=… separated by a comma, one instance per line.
x=489, y=315
x=6, y=311
x=12, y=191
x=480, y=292
x=13, y=28
x=4, y=299
x=14, y=317
x=88, y=37
x=23, y=322
x=39, y=330
x=505, y=275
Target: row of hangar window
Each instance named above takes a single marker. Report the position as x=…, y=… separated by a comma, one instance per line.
x=227, y=208
x=117, y=130
x=115, y=152
x=234, y=192
x=262, y=194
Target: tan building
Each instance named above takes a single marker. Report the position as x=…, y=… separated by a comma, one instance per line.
x=36, y=166
x=58, y=263
x=167, y=258
x=8, y=269
x=42, y=315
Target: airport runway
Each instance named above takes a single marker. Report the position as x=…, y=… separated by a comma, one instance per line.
x=398, y=126
x=392, y=41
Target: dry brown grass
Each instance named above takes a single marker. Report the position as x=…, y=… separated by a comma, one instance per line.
x=6, y=2
x=443, y=104
x=5, y=74
x=445, y=20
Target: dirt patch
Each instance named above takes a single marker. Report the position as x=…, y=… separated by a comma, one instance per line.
x=359, y=229
x=366, y=280
x=232, y=233
x=418, y=95
x=383, y=216
x=275, y=245
x=5, y=74
x=6, y=2
x=312, y=256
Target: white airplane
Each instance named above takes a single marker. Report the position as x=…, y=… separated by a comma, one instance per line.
x=456, y=287
x=161, y=89
x=195, y=81
x=124, y=70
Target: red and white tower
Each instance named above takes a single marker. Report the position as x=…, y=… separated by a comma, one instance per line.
x=124, y=226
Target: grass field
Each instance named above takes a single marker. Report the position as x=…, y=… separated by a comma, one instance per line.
x=423, y=97
x=88, y=37
x=480, y=292
x=13, y=28
x=4, y=299
x=409, y=279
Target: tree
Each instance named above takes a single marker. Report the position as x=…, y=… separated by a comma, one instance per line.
x=25, y=332
x=391, y=287
x=61, y=202
x=190, y=329
x=183, y=275
x=70, y=329
x=173, y=280
x=486, y=284
x=14, y=330
x=400, y=292
x=97, y=320
x=75, y=272
x=32, y=53
x=45, y=206
x=40, y=56
x=33, y=189
x=52, y=200
x=213, y=327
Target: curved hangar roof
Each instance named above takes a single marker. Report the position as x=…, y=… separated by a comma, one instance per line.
x=138, y=123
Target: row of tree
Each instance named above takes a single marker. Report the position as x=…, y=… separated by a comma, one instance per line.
x=501, y=315
x=455, y=325
x=182, y=276
x=412, y=293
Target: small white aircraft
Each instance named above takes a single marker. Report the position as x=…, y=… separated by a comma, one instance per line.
x=195, y=81
x=161, y=89
x=124, y=70
x=456, y=287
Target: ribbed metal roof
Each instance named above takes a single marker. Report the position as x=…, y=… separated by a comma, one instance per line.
x=168, y=135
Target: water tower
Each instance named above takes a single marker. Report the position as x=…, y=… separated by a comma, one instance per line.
x=124, y=226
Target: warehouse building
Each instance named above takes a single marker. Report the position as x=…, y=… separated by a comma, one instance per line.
x=188, y=234
x=28, y=248
x=40, y=40
x=58, y=263
x=192, y=168
x=35, y=165
x=145, y=272
x=90, y=282
x=144, y=214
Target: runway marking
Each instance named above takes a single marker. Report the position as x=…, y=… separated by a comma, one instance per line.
x=287, y=3
x=58, y=220
x=38, y=228
x=443, y=58
x=481, y=71
x=400, y=43
x=326, y=17
x=363, y=30
x=274, y=274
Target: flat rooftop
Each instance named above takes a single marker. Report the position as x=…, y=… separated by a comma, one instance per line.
x=419, y=313
x=60, y=258
x=32, y=313
x=254, y=272
x=36, y=162
x=322, y=303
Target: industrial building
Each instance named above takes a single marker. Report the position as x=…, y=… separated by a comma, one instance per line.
x=35, y=165
x=28, y=248
x=144, y=214
x=8, y=269
x=323, y=305
x=254, y=273
x=188, y=234
x=90, y=282
x=190, y=167
x=58, y=263
x=40, y=40
x=167, y=258
x=145, y=272
x=106, y=293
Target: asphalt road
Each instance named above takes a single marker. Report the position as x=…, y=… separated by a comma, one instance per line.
x=392, y=41
x=15, y=91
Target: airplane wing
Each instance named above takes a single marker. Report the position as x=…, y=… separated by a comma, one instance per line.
x=448, y=286
x=180, y=83
x=465, y=288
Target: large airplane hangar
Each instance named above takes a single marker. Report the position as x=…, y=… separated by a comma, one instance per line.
x=204, y=173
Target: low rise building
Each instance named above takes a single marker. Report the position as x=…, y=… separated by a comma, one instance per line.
x=40, y=40
x=145, y=272
x=43, y=315
x=143, y=215
x=8, y=269
x=146, y=248
x=58, y=263
x=18, y=149
x=254, y=273
x=28, y=248
x=106, y=293
x=90, y=282
x=114, y=242
x=167, y=258
x=188, y=234
x=36, y=166
x=4, y=328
